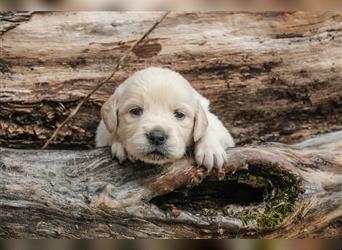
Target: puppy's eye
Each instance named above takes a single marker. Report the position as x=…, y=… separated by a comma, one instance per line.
x=137, y=111
x=179, y=115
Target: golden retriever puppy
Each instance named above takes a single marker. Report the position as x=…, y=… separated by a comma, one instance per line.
x=155, y=115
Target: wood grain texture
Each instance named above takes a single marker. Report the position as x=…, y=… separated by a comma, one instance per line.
x=9, y=19
x=85, y=194
x=269, y=76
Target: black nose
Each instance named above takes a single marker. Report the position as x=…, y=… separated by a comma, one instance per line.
x=157, y=137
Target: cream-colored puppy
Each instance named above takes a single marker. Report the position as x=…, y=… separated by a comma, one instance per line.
x=155, y=115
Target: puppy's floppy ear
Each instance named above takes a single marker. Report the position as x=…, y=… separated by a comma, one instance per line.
x=201, y=120
x=109, y=113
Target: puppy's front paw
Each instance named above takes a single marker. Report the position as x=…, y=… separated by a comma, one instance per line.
x=210, y=155
x=118, y=152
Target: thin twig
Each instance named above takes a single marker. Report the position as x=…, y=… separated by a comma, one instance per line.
x=100, y=84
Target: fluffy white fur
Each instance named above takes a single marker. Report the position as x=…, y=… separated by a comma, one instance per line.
x=160, y=92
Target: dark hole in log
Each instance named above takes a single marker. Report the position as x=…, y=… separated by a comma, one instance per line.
x=211, y=194
x=241, y=189
x=255, y=195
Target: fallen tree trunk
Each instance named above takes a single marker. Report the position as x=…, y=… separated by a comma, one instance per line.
x=270, y=76
x=271, y=190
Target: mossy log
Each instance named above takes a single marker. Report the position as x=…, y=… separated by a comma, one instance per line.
x=270, y=76
x=271, y=190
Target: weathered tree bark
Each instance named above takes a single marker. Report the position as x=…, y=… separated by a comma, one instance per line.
x=270, y=190
x=272, y=76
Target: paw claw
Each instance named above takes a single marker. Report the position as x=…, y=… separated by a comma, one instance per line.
x=212, y=156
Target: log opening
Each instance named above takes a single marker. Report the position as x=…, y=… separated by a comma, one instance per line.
x=259, y=198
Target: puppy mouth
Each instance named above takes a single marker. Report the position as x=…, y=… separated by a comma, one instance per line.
x=156, y=155
x=156, y=152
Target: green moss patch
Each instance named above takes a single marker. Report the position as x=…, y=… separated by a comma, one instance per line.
x=278, y=202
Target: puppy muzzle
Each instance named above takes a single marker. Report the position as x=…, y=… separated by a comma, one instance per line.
x=156, y=152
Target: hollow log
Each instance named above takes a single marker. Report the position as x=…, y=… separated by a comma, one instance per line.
x=270, y=190
x=270, y=76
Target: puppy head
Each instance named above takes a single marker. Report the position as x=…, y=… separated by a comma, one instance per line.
x=156, y=115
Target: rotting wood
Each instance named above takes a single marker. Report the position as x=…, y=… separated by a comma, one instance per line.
x=269, y=76
x=85, y=194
